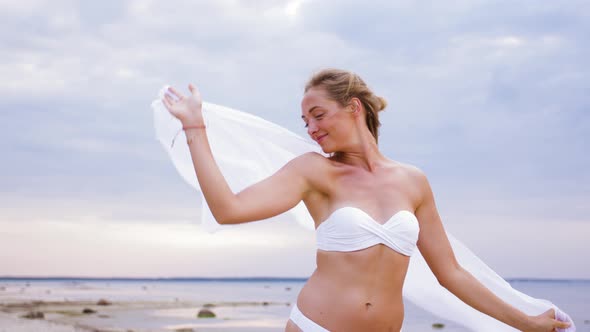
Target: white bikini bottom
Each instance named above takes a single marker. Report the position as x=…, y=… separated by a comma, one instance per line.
x=304, y=323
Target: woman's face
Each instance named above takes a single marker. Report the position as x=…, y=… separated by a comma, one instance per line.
x=325, y=120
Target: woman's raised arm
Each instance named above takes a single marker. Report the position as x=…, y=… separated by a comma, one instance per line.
x=438, y=254
x=267, y=198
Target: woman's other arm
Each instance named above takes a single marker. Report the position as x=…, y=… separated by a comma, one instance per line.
x=436, y=250
x=267, y=198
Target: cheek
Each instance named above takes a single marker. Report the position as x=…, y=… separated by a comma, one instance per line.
x=335, y=124
x=328, y=121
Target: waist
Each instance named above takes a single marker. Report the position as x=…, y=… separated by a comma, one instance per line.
x=373, y=275
x=377, y=266
x=349, y=303
x=354, y=291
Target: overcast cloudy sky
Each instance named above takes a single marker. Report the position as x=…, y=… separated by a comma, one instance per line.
x=489, y=98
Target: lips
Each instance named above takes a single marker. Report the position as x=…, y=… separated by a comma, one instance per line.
x=320, y=138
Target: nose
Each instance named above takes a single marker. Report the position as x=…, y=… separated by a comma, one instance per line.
x=311, y=128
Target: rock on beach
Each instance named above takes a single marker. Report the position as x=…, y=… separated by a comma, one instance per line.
x=206, y=313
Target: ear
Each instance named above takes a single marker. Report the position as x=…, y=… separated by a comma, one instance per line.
x=355, y=105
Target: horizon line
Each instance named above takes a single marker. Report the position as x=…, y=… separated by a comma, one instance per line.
x=226, y=278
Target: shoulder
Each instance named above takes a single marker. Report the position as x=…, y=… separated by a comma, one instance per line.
x=416, y=178
x=411, y=172
x=415, y=184
x=309, y=163
x=312, y=156
x=307, y=158
x=317, y=171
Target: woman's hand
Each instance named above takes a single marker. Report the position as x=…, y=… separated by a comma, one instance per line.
x=546, y=322
x=186, y=109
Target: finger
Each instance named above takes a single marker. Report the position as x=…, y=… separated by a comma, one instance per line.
x=176, y=93
x=193, y=89
x=167, y=104
x=549, y=313
x=169, y=99
x=561, y=325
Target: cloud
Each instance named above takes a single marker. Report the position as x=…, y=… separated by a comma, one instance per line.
x=488, y=98
x=103, y=248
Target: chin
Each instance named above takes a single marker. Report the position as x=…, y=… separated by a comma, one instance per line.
x=327, y=149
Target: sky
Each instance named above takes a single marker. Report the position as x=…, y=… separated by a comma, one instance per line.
x=489, y=98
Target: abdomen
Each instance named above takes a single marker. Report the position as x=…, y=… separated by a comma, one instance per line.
x=356, y=291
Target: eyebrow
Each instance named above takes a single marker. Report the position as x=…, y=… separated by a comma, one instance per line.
x=310, y=110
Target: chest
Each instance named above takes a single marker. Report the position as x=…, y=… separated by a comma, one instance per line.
x=380, y=193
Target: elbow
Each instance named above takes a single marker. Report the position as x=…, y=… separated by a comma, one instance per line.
x=449, y=278
x=443, y=281
x=227, y=221
x=226, y=217
x=231, y=213
x=223, y=219
x=223, y=214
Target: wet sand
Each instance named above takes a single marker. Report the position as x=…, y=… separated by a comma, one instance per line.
x=83, y=308
x=67, y=316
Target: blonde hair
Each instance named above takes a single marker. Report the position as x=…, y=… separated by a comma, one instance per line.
x=341, y=86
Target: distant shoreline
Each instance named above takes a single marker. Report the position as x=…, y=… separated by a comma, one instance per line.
x=245, y=304
x=223, y=279
x=158, y=279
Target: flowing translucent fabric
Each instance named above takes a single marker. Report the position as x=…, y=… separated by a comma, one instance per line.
x=248, y=149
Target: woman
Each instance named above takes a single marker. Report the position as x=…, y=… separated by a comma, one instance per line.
x=370, y=213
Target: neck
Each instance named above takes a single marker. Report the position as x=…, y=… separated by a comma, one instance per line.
x=364, y=154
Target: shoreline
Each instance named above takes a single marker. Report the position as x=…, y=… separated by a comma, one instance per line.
x=111, y=306
x=173, y=306
x=227, y=279
x=132, y=316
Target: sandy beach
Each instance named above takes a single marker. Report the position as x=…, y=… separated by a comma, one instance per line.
x=79, y=307
x=110, y=305
x=69, y=316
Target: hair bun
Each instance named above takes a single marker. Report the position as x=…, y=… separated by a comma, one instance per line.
x=383, y=103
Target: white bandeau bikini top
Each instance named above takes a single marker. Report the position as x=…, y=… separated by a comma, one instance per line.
x=350, y=229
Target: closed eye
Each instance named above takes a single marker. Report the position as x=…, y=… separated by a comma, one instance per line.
x=317, y=117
